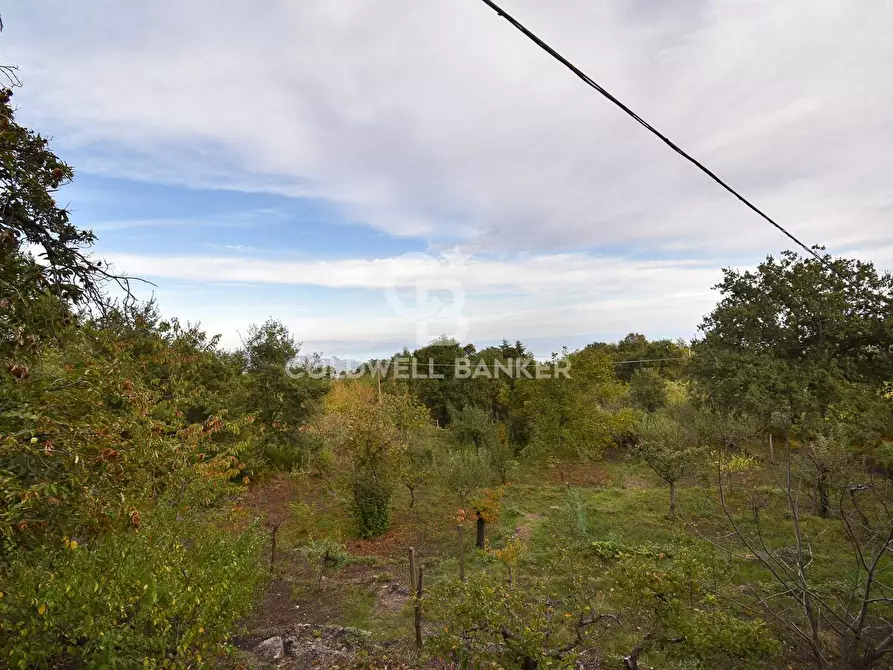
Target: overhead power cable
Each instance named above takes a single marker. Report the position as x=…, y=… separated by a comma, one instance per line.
x=675, y=147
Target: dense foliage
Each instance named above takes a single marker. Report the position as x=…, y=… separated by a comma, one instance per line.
x=121, y=437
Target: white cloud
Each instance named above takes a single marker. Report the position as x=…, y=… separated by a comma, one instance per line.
x=543, y=274
x=438, y=120
x=555, y=297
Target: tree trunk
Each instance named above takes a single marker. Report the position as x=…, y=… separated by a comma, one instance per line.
x=673, y=498
x=850, y=657
x=411, y=496
x=771, y=450
x=824, y=502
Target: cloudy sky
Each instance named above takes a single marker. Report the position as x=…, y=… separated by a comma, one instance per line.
x=375, y=173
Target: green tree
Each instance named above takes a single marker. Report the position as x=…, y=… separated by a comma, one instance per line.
x=568, y=415
x=280, y=393
x=669, y=445
x=798, y=337
x=438, y=395
x=472, y=427
x=464, y=472
x=419, y=463
x=635, y=352
x=648, y=389
x=373, y=434
x=113, y=426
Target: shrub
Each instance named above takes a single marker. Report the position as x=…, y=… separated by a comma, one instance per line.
x=294, y=450
x=574, y=517
x=611, y=549
x=162, y=595
x=372, y=505
x=485, y=623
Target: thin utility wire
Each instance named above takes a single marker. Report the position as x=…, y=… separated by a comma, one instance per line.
x=675, y=147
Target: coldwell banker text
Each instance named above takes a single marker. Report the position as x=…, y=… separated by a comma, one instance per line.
x=460, y=368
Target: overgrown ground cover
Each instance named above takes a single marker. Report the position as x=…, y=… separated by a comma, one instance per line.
x=583, y=534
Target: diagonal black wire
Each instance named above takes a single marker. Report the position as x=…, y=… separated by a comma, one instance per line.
x=675, y=147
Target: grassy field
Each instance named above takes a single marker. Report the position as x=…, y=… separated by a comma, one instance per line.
x=570, y=521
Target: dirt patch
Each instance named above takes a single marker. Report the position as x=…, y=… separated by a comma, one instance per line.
x=392, y=598
x=277, y=609
x=579, y=474
x=423, y=529
x=525, y=529
x=394, y=542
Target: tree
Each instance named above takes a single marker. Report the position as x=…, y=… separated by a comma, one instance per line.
x=846, y=622
x=280, y=394
x=373, y=434
x=472, y=427
x=648, y=389
x=496, y=394
x=31, y=175
x=669, y=446
x=798, y=337
x=464, y=472
x=418, y=465
x=567, y=415
x=502, y=455
x=438, y=395
x=634, y=352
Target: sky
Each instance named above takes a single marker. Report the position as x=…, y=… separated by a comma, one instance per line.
x=375, y=174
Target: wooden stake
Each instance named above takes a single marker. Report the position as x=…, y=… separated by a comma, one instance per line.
x=418, y=612
x=771, y=450
x=411, y=570
x=273, y=545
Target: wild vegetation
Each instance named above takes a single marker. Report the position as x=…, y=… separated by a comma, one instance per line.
x=165, y=502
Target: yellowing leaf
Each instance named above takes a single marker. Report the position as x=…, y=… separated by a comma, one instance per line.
x=42, y=610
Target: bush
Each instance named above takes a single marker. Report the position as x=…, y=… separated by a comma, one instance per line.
x=485, y=623
x=159, y=596
x=611, y=549
x=325, y=554
x=296, y=450
x=372, y=505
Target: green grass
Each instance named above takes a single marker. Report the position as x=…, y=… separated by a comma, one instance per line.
x=357, y=608
x=627, y=510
